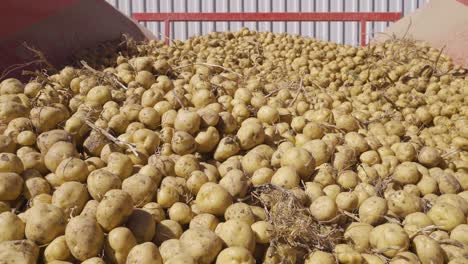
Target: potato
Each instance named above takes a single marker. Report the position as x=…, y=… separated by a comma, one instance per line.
x=19, y=251
x=155, y=210
x=320, y=257
x=94, y=260
x=57, y=153
x=405, y=258
x=227, y=147
x=356, y=141
x=406, y=173
x=181, y=258
x=120, y=165
x=357, y=234
x=183, y=143
x=347, y=201
x=236, y=233
x=144, y=253
x=118, y=244
x=427, y=185
x=235, y=183
x=114, y=209
x=141, y=188
x=57, y=250
x=167, y=229
x=386, y=236
x=90, y=208
x=255, y=160
x=372, y=210
x=203, y=220
x=459, y=234
x=250, y=135
x=34, y=160
x=7, y=144
x=11, y=185
x=240, y=211
x=195, y=181
x=286, y=177
x=47, y=139
x=185, y=165
x=72, y=169
x=263, y=231
x=170, y=248
x=100, y=181
x=41, y=198
x=345, y=254
x=280, y=253
x=10, y=110
x=196, y=241
x=71, y=197
x=428, y=250
x=454, y=200
x=324, y=208
x=301, y=160
x=10, y=163
x=213, y=199
x=46, y=118
x=415, y=222
x=235, y=255
x=446, y=216
x=44, y=223
x=11, y=227
x=332, y=191
x=187, y=121
x=181, y=213
x=403, y=203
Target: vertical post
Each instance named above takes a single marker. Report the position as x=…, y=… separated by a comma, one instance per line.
x=363, y=32
x=167, y=31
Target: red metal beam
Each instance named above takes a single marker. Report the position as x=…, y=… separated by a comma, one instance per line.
x=361, y=17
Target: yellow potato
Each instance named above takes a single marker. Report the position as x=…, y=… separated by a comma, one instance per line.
x=213, y=199
x=372, y=210
x=235, y=255
x=118, y=244
x=19, y=251
x=389, y=238
x=446, y=216
x=11, y=227
x=195, y=241
x=71, y=197
x=204, y=221
x=428, y=250
x=358, y=235
x=101, y=181
x=11, y=185
x=114, y=209
x=236, y=233
x=144, y=253
x=57, y=250
x=141, y=188
x=44, y=223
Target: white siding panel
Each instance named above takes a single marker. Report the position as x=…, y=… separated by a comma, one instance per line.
x=341, y=32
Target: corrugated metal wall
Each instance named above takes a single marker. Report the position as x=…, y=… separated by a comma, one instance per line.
x=341, y=32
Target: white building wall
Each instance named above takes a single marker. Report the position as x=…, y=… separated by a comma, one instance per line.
x=341, y=32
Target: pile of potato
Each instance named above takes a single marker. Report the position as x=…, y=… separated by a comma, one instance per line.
x=161, y=155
